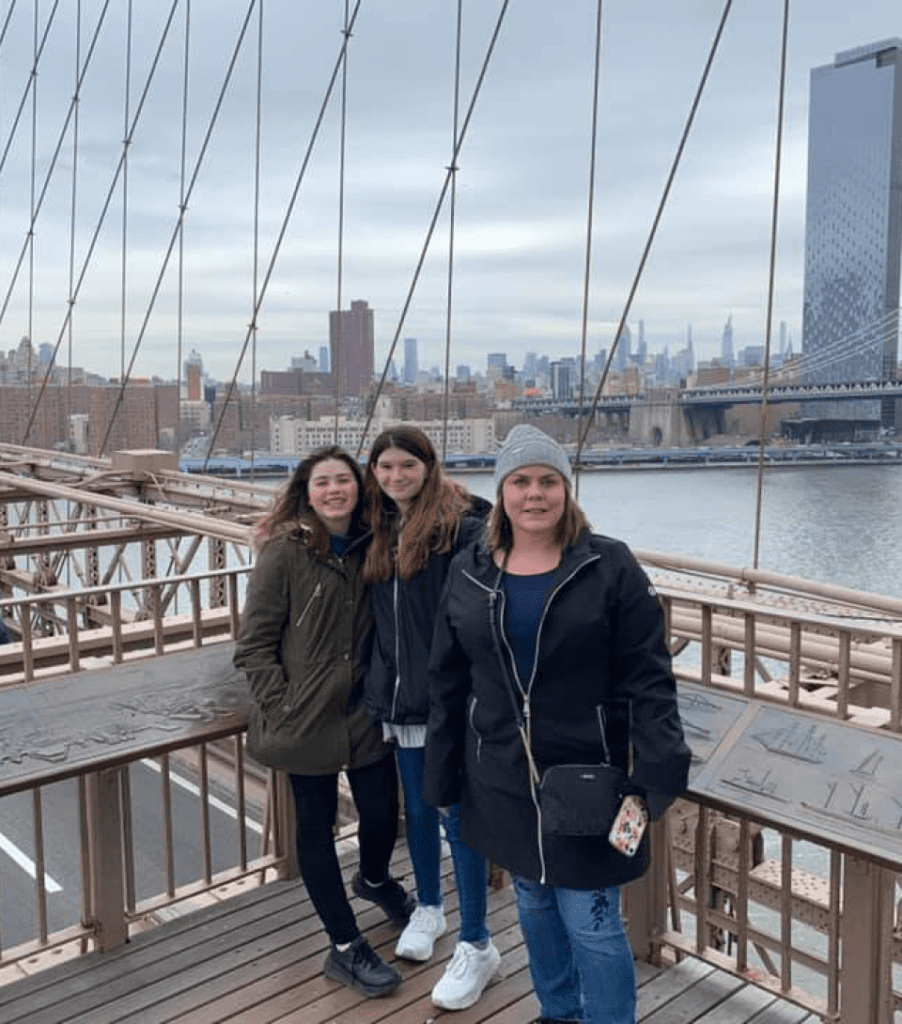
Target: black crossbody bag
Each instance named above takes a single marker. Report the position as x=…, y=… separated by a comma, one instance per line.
x=573, y=799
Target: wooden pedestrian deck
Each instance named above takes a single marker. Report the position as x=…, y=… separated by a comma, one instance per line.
x=256, y=958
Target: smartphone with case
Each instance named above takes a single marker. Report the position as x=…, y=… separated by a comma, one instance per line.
x=629, y=825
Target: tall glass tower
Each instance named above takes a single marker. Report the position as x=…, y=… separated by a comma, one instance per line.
x=853, y=232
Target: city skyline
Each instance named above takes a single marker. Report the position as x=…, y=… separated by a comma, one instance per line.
x=522, y=179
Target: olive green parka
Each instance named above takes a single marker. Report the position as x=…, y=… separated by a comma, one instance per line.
x=305, y=616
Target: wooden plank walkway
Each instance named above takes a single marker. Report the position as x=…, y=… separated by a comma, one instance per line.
x=257, y=958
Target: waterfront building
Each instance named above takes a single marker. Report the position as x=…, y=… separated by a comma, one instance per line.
x=853, y=229
x=289, y=435
x=352, y=348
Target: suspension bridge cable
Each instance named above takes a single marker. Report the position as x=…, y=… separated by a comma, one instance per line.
x=339, y=315
x=284, y=227
x=770, y=285
x=194, y=175
x=9, y=18
x=435, y=215
x=256, y=268
x=30, y=85
x=32, y=176
x=452, y=211
x=102, y=218
x=590, y=205
x=61, y=138
x=123, y=308
x=180, y=297
x=867, y=338
x=73, y=220
x=654, y=228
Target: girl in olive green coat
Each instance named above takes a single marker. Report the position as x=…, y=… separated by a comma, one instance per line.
x=305, y=616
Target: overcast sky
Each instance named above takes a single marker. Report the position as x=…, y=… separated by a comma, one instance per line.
x=522, y=186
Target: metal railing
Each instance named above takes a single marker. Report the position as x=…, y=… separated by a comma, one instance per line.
x=731, y=885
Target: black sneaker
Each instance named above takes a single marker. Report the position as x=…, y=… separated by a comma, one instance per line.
x=361, y=969
x=390, y=895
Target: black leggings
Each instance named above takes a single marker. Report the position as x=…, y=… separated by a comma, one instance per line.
x=375, y=792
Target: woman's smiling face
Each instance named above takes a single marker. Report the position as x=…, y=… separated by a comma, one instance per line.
x=400, y=475
x=332, y=492
x=534, y=499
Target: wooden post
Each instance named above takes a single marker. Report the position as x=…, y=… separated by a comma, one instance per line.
x=106, y=858
x=645, y=900
x=865, y=930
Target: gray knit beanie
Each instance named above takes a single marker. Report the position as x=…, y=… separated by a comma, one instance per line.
x=529, y=446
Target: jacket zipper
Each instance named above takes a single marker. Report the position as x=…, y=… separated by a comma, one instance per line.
x=475, y=730
x=394, y=700
x=496, y=622
x=317, y=590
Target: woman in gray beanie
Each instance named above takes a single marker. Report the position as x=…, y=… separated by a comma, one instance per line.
x=549, y=651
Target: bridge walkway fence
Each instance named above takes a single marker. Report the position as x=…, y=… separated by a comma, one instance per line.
x=780, y=866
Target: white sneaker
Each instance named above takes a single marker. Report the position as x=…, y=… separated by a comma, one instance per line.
x=467, y=974
x=417, y=940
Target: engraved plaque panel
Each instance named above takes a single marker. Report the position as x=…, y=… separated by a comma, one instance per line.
x=707, y=718
x=816, y=776
x=107, y=716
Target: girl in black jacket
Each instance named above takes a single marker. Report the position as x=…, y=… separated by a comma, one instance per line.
x=419, y=521
x=549, y=649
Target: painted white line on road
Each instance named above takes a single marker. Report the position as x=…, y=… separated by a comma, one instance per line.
x=189, y=787
x=26, y=863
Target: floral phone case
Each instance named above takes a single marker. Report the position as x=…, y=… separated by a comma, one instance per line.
x=629, y=826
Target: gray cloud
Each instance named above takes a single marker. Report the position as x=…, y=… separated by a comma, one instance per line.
x=522, y=184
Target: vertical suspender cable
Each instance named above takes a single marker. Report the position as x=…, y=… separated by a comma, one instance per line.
x=61, y=137
x=285, y=220
x=657, y=220
x=126, y=141
x=31, y=84
x=72, y=211
x=339, y=316
x=256, y=232
x=72, y=221
x=194, y=175
x=107, y=202
x=453, y=168
x=180, y=301
x=770, y=286
x=440, y=202
x=34, y=156
x=589, y=224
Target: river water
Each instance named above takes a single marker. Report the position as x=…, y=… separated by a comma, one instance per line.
x=837, y=524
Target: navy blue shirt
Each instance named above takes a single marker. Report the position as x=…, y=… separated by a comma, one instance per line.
x=524, y=600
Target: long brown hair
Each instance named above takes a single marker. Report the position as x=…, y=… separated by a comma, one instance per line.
x=291, y=511
x=499, y=534
x=433, y=518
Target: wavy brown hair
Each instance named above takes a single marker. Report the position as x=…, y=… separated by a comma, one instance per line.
x=499, y=534
x=291, y=512
x=433, y=519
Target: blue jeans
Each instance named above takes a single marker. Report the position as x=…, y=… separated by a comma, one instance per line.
x=424, y=843
x=579, y=956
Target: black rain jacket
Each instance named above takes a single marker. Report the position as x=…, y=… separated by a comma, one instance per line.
x=396, y=686
x=602, y=664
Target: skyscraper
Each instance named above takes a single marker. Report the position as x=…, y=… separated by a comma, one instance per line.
x=411, y=367
x=726, y=342
x=850, y=326
x=352, y=348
